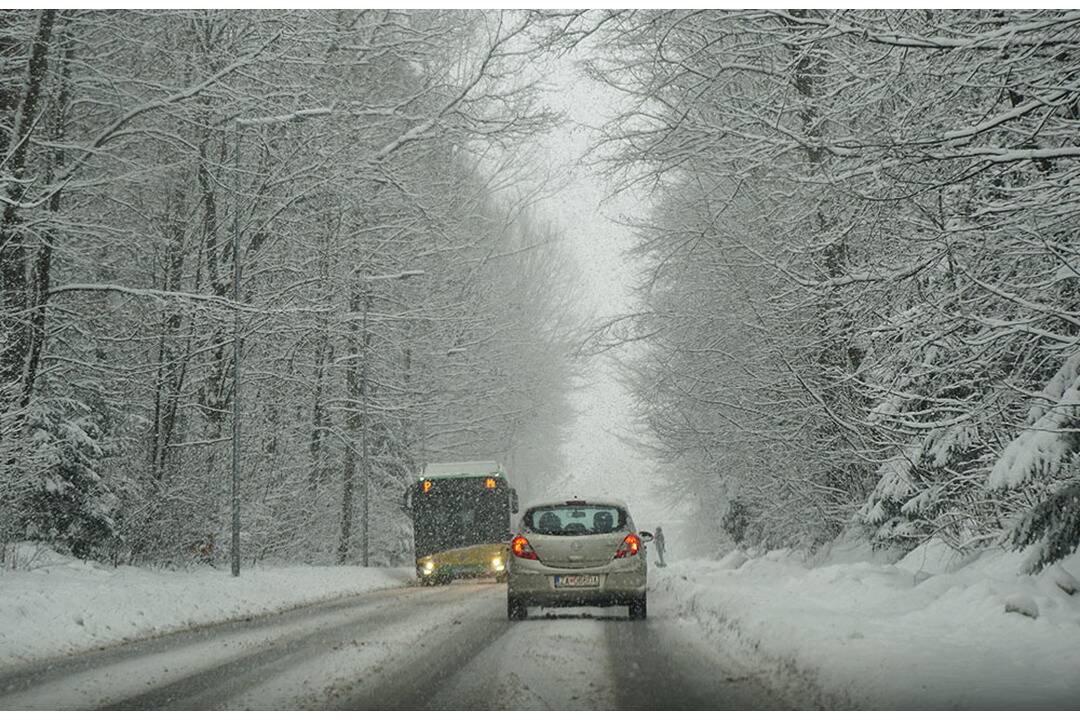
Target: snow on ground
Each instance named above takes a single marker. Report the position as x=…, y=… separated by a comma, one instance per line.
x=64, y=605
x=930, y=631
x=541, y=665
x=848, y=630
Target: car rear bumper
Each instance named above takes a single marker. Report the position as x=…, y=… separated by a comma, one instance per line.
x=538, y=588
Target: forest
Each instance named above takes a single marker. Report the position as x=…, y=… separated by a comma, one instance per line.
x=331, y=205
x=860, y=302
x=857, y=309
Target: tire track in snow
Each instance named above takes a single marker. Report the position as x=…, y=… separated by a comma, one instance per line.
x=661, y=664
x=550, y=661
x=259, y=680
x=121, y=674
x=424, y=662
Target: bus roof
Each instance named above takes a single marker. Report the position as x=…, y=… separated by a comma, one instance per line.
x=474, y=468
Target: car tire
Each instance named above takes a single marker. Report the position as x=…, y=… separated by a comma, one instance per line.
x=638, y=609
x=516, y=609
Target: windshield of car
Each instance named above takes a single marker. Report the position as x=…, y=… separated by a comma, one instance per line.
x=575, y=519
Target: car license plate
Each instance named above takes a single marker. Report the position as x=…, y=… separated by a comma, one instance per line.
x=577, y=581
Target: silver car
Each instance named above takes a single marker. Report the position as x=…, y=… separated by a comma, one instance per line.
x=577, y=552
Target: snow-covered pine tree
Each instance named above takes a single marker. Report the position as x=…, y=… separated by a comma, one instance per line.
x=1040, y=469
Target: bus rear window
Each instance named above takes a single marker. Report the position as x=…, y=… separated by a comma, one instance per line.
x=575, y=519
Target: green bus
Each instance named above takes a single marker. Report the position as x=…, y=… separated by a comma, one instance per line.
x=461, y=521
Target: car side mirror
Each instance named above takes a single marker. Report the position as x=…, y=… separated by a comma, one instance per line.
x=645, y=535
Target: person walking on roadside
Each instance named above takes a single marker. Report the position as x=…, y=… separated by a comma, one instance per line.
x=658, y=541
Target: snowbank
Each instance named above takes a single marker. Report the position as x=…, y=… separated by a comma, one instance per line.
x=928, y=632
x=65, y=605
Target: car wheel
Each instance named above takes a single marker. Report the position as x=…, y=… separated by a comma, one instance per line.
x=516, y=609
x=638, y=609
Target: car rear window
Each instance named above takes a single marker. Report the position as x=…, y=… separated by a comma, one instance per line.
x=575, y=519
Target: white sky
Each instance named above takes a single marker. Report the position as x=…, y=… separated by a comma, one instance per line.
x=600, y=464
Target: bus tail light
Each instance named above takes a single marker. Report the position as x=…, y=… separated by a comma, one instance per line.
x=630, y=545
x=522, y=548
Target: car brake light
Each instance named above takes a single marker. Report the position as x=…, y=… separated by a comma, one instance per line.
x=522, y=548
x=629, y=547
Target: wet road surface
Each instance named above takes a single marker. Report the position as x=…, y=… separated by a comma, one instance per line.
x=405, y=648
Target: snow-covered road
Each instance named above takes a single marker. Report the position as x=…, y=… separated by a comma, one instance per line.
x=846, y=629
x=440, y=648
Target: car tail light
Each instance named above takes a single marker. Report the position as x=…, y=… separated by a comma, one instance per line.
x=629, y=547
x=522, y=548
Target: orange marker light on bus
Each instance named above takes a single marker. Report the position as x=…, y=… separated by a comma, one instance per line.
x=489, y=483
x=427, y=485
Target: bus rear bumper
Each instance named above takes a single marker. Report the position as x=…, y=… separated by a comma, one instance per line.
x=481, y=561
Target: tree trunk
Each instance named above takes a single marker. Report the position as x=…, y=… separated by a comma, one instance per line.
x=172, y=366
x=356, y=382
x=16, y=332
x=43, y=263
